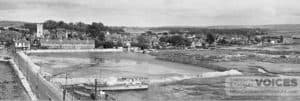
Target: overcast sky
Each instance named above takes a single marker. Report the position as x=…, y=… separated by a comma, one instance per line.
x=155, y=12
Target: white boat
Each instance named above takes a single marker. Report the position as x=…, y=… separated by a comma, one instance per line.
x=118, y=87
x=82, y=93
x=121, y=84
x=124, y=87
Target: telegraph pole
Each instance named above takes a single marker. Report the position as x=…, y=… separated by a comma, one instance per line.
x=66, y=78
x=65, y=88
x=95, y=89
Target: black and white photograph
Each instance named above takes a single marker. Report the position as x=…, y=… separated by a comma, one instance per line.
x=149, y=50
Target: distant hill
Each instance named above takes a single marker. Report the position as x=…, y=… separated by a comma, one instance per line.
x=136, y=29
x=11, y=23
x=282, y=27
x=273, y=29
x=279, y=28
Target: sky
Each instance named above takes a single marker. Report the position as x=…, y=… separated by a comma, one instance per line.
x=154, y=12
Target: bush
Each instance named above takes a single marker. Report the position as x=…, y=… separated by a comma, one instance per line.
x=283, y=56
x=108, y=44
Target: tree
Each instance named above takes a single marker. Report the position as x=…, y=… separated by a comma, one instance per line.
x=223, y=41
x=108, y=44
x=80, y=26
x=164, y=39
x=30, y=26
x=50, y=24
x=9, y=36
x=96, y=30
x=62, y=24
x=179, y=41
x=143, y=41
x=257, y=39
x=210, y=38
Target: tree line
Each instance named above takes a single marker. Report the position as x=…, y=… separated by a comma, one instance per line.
x=95, y=30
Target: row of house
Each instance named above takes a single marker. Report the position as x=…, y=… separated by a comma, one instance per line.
x=199, y=40
x=67, y=44
x=60, y=40
x=22, y=44
x=281, y=39
x=56, y=44
x=121, y=38
x=296, y=39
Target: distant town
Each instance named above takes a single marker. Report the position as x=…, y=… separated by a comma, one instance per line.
x=60, y=35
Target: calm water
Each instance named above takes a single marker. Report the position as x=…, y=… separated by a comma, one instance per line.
x=113, y=64
x=106, y=65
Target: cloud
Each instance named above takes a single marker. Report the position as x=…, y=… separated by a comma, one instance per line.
x=4, y=5
x=37, y=4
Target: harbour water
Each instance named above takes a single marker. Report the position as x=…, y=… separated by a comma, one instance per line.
x=106, y=66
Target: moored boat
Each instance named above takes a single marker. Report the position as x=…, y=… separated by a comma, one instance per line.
x=123, y=83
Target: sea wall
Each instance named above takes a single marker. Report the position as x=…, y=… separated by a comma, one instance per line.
x=23, y=80
x=43, y=89
x=20, y=76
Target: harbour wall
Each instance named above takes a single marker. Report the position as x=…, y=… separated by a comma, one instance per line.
x=21, y=77
x=23, y=80
x=43, y=89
